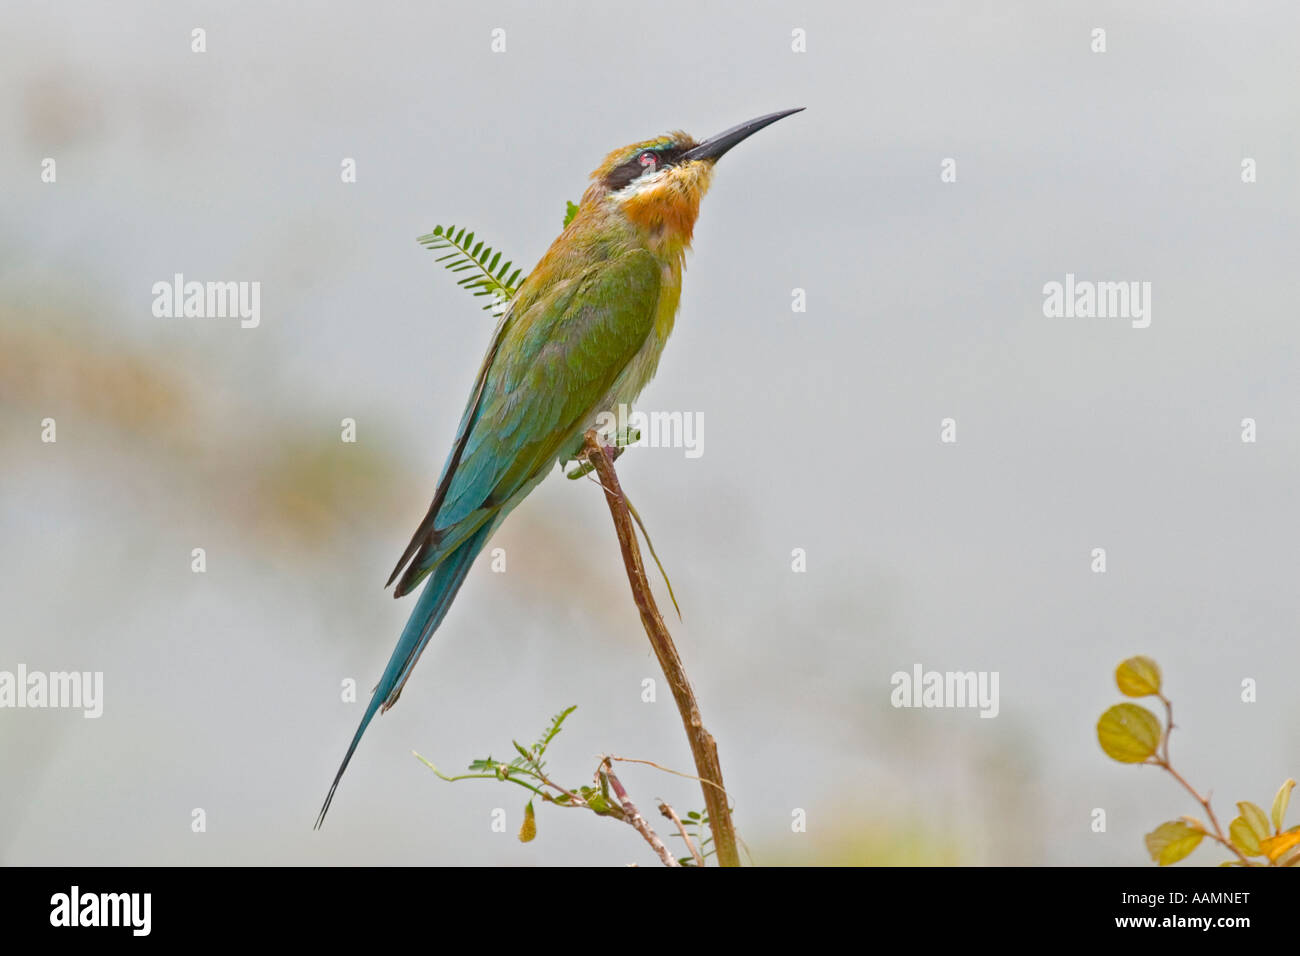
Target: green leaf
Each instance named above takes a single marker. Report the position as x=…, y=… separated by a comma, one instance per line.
x=595, y=799
x=1170, y=842
x=1280, y=803
x=1243, y=836
x=1256, y=818
x=570, y=210
x=462, y=253
x=551, y=731
x=1128, y=733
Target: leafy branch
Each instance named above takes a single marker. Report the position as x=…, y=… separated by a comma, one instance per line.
x=607, y=797
x=1129, y=733
x=488, y=275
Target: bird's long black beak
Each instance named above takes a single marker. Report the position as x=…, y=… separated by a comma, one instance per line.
x=715, y=146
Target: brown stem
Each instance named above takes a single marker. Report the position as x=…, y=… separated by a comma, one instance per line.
x=633, y=816
x=703, y=747
x=574, y=799
x=1165, y=762
x=1217, y=835
x=671, y=814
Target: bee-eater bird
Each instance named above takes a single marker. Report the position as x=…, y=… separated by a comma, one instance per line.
x=582, y=334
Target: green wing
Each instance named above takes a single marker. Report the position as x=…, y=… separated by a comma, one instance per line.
x=553, y=359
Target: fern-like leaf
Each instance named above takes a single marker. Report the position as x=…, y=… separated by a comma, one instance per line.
x=486, y=274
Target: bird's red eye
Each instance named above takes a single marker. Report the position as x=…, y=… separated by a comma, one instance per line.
x=648, y=159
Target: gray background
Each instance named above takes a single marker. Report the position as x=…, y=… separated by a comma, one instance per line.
x=821, y=429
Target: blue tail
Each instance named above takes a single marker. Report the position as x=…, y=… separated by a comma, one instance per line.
x=428, y=613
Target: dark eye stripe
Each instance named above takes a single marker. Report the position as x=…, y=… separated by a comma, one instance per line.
x=624, y=174
x=634, y=167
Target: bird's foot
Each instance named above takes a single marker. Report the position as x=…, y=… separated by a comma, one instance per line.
x=621, y=441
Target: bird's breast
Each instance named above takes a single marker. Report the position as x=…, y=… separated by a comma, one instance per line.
x=641, y=369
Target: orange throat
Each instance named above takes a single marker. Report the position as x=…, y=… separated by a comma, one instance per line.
x=666, y=211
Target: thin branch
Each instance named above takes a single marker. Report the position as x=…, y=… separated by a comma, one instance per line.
x=675, y=773
x=1217, y=835
x=574, y=799
x=633, y=816
x=586, y=468
x=1164, y=761
x=481, y=776
x=671, y=814
x=703, y=747
x=651, y=546
x=1169, y=723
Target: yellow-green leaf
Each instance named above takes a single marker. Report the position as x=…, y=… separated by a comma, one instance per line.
x=529, y=830
x=1256, y=818
x=1170, y=842
x=1138, y=677
x=1128, y=733
x=1243, y=836
x=1280, y=803
x=1274, y=847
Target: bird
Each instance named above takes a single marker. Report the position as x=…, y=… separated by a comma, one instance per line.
x=582, y=334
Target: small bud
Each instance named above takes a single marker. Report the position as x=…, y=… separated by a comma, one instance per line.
x=528, y=832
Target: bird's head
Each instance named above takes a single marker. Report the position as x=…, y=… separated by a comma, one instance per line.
x=657, y=184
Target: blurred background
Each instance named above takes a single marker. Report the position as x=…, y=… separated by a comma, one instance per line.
x=924, y=301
